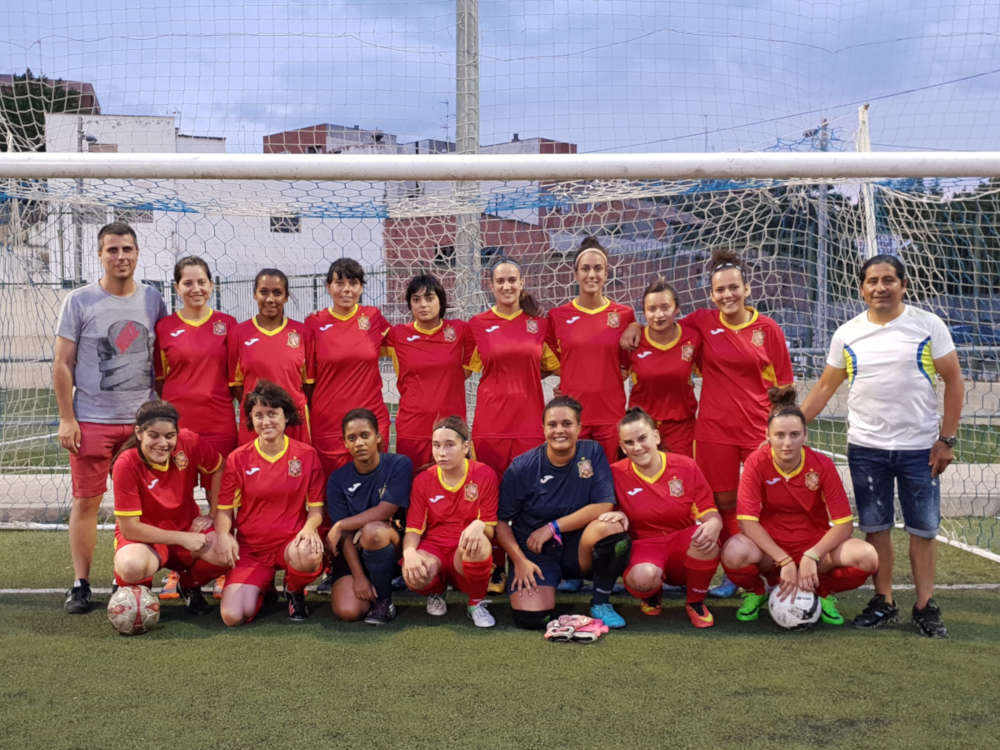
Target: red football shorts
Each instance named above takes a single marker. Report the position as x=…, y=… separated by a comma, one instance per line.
x=447, y=574
x=720, y=463
x=498, y=452
x=606, y=435
x=90, y=466
x=666, y=552
x=677, y=436
x=171, y=556
x=257, y=567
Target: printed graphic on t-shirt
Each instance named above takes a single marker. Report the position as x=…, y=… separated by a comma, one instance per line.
x=125, y=357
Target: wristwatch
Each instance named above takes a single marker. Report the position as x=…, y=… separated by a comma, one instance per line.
x=949, y=441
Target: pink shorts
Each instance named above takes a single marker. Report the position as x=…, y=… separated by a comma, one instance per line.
x=90, y=465
x=665, y=552
x=447, y=574
x=498, y=452
x=720, y=463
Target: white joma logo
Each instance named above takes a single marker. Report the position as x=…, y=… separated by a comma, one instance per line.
x=254, y=470
x=412, y=338
x=634, y=491
x=772, y=481
x=546, y=478
x=571, y=321
x=716, y=331
x=152, y=484
x=436, y=498
x=354, y=486
x=323, y=328
x=642, y=355
x=491, y=329
x=175, y=334
x=251, y=342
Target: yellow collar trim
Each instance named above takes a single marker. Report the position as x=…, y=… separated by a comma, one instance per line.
x=504, y=316
x=454, y=488
x=655, y=478
x=196, y=323
x=753, y=319
x=798, y=469
x=160, y=467
x=663, y=347
x=418, y=329
x=592, y=310
x=349, y=315
x=275, y=332
x=271, y=459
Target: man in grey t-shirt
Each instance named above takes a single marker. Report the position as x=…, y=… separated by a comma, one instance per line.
x=102, y=373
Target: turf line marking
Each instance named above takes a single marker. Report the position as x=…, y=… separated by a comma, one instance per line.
x=29, y=439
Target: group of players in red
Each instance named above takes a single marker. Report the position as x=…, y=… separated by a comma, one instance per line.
x=304, y=481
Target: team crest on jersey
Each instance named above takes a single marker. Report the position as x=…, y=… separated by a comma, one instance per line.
x=687, y=352
x=295, y=467
x=472, y=492
x=757, y=339
x=219, y=328
x=531, y=325
x=181, y=460
x=364, y=323
x=812, y=480
x=449, y=334
x=585, y=468
x=614, y=320
x=293, y=339
x=676, y=486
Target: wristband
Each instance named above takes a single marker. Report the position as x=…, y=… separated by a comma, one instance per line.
x=811, y=555
x=782, y=563
x=555, y=532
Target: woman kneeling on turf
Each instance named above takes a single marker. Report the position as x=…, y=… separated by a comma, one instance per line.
x=661, y=496
x=795, y=521
x=550, y=500
x=159, y=523
x=274, y=486
x=452, y=515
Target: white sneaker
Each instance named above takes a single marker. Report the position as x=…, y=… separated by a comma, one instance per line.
x=481, y=616
x=436, y=605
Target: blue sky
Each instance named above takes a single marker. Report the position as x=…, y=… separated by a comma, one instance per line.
x=631, y=75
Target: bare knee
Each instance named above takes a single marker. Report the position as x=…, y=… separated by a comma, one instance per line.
x=232, y=616
x=348, y=608
x=645, y=578
x=739, y=551
x=376, y=535
x=866, y=557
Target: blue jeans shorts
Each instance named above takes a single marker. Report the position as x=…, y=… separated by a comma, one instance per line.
x=874, y=473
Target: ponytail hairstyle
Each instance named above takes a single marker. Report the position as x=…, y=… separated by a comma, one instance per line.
x=527, y=301
x=637, y=414
x=783, y=398
x=723, y=259
x=149, y=412
x=589, y=243
x=365, y=415
x=459, y=427
x=194, y=260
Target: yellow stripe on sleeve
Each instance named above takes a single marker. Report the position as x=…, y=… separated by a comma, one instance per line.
x=132, y=513
x=475, y=363
x=698, y=516
x=747, y=518
x=550, y=361
x=411, y=530
x=842, y=521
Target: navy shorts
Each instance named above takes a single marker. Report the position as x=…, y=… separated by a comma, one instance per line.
x=557, y=561
x=876, y=472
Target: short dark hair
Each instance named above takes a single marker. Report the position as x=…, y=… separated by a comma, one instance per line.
x=270, y=272
x=783, y=403
x=346, y=268
x=116, y=227
x=637, y=414
x=455, y=424
x=892, y=260
x=192, y=260
x=364, y=414
x=429, y=282
x=723, y=259
x=567, y=401
x=266, y=393
x=659, y=284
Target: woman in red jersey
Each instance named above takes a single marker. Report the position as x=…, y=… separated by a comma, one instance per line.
x=584, y=333
x=661, y=498
x=795, y=521
x=428, y=354
x=449, y=524
x=346, y=340
x=511, y=353
x=660, y=369
x=272, y=496
x=159, y=525
x=270, y=347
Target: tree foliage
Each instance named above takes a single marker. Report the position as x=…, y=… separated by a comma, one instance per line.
x=23, y=104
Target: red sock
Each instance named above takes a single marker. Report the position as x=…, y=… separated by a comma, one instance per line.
x=747, y=577
x=297, y=580
x=730, y=526
x=477, y=578
x=199, y=573
x=845, y=578
x=698, y=577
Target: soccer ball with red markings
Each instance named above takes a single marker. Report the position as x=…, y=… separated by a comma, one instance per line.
x=797, y=612
x=133, y=610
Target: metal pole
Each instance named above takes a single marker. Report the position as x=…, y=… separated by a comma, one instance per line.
x=78, y=214
x=867, y=192
x=467, y=142
x=822, y=219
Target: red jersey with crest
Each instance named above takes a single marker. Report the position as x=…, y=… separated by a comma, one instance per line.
x=738, y=364
x=511, y=352
x=163, y=496
x=661, y=375
x=793, y=508
x=192, y=362
x=278, y=356
x=429, y=373
x=344, y=367
x=270, y=494
x=591, y=362
x=672, y=499
x=439, y=512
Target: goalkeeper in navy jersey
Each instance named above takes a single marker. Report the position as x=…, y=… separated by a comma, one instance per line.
x=550, y=499
x=362, y=500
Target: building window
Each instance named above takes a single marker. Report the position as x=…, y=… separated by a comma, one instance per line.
x=489, y=254
x=286, y=224
x=134, y=216
x=444, y=256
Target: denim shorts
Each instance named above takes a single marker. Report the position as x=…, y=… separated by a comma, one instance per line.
x=874, y=472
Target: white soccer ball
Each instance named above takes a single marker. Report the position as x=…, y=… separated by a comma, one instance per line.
x=797, y=612
x=133, y=610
